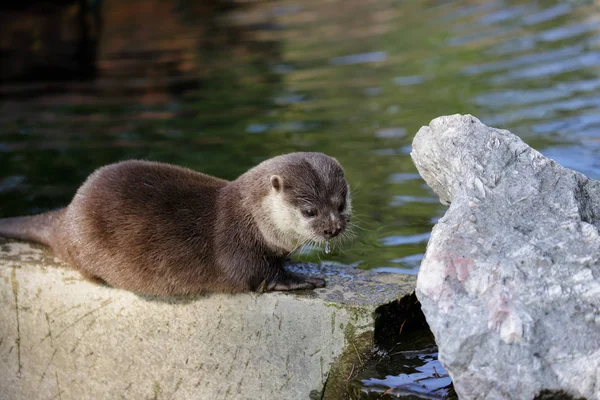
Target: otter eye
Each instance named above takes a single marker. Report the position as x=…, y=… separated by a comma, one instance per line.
x=342, y=206
x=309, y=212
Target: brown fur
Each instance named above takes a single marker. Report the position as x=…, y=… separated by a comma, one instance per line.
x=159, y=229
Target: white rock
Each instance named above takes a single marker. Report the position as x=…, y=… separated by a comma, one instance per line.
x=510, y=282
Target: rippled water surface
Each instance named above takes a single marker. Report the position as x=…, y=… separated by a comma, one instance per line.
x=221, y=90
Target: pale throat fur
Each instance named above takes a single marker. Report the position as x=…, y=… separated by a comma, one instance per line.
x=284, y=226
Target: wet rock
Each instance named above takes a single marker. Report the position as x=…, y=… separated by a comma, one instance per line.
x=510, y=282
x=64, y=337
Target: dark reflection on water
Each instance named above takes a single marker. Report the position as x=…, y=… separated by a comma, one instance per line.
x=406, y=374
x=222, y=86
x=406, y=363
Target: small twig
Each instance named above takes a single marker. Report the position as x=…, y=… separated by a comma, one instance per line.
x=402, y=326
x=389, y=352
x=387, y=392
x=422, y=379
x=351, y=372
x=358, y=355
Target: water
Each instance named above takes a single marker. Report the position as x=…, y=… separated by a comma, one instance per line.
x=355, y=81
x=403, y=374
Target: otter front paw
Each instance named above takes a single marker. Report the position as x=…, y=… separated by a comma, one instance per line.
x=293, y=281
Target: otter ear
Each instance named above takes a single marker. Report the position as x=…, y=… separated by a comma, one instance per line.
x=277, y=183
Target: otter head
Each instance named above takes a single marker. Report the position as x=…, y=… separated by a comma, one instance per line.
x=309, y=200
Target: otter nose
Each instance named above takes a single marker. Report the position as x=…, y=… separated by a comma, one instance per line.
x=332, y=231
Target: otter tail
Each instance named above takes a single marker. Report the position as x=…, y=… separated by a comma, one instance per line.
x=35, y=228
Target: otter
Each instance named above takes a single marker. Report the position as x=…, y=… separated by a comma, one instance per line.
x=164, y=230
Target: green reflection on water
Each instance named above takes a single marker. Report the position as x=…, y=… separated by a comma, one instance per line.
x=289, y=85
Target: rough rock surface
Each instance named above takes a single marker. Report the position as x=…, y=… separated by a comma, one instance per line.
x=65, y=338
x=510, y=282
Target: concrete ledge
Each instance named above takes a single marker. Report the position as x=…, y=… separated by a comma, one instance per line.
x=63, y=337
